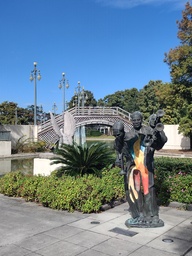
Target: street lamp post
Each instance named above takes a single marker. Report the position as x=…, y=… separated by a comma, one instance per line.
x=80, y=96
x=54, y=108
x=63, y=85
x=34, y=77
x=80, y=100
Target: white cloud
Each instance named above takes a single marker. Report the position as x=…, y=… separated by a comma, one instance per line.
x=133, y=3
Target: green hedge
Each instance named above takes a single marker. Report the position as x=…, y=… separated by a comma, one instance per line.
x=169, y=165
x=86, y=194
x=173, y=181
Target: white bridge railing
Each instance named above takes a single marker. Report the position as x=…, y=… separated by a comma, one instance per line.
x=92, y=111
x=82, y=116
x=87, y=111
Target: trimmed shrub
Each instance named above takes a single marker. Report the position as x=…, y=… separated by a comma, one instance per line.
x=30, y=186
x=180, y=188
x=88, y=193
x=11, y=184
x=169, y=165
x=167, y=174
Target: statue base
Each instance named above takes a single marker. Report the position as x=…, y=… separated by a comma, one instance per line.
x=153, y=222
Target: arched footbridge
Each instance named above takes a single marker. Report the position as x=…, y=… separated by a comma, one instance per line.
x=106, y=116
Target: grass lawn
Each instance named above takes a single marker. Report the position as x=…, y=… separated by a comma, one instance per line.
x=102, y=137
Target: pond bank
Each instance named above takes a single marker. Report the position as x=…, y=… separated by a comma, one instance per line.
x=28, y=155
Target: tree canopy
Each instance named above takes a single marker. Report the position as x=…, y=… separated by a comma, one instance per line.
x=126, y=100
x=87, y=99
x=179, y=60
x=11, y=113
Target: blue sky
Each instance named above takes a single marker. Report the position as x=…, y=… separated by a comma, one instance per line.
x=107, y=45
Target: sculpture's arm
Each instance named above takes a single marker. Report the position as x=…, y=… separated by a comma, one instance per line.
x=118, y=150
x=160, y=140
x=155, y=137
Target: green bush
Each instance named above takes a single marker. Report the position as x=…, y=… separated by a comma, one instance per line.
x=29, y=146
x=29, y=187
x=11, y=184
x=113, y=185
x=79, y=194
x=166, y=171
x=34, y=146
x=180, y=188
x=169, y=165
x=46, y=193
x=88, y=193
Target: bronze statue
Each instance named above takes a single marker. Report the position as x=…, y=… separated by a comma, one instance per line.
x=135, y=156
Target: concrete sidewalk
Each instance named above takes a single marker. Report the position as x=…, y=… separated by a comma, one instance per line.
x=33, y=230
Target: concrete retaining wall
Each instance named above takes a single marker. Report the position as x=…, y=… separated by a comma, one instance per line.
x=175, y=140
x=18, y=131
x=5, y=148
x=43, y=166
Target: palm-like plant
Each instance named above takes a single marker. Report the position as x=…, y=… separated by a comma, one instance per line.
x=80, y=160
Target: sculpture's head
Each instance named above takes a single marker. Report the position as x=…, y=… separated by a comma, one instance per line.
x=152, y=120
x=118, y=129
x=137, y=119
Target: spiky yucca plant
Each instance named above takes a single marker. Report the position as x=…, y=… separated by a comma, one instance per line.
x=80, y=160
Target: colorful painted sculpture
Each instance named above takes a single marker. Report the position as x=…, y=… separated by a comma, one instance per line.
x=135, y=155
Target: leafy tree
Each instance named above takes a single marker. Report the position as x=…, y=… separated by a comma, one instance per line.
x=114, y=100
x=158, y=95
x=41, y=115
x=80, y=160
x=180, y=64
x=148, y=98
x=30, y=113
x=11, y=113
x=168, y=102
x=90, y=101
x=101, y=102
x=88, y=97
x=126, y=100
x=8, y=112
x=131, y=100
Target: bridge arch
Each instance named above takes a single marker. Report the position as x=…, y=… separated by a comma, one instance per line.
x=106, y=116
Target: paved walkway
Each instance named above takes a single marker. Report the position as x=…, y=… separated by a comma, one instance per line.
x=32, y=230
x=174, y=153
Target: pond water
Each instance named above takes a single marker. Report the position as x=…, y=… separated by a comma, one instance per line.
x=25, y=165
